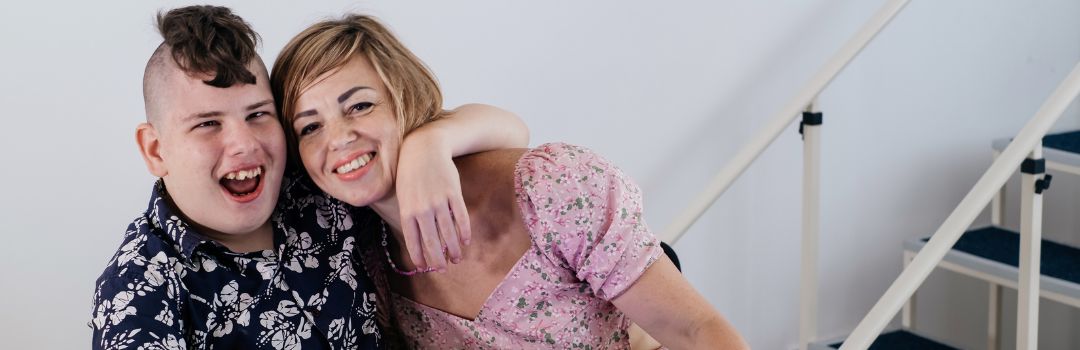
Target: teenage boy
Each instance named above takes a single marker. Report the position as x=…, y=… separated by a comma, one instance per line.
x=218, y=260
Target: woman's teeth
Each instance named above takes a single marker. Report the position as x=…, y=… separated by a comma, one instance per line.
x=355, y=164
x=244, y=174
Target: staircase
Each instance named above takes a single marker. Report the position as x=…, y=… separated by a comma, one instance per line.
x=992, y=254
x=948, y=247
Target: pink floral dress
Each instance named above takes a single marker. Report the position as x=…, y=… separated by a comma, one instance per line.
x=589, y=244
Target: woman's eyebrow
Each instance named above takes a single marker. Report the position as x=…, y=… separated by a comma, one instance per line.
x=306, y=113
x=350, y=92
x=341, y=99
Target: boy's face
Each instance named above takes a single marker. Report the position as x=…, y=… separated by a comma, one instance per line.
x=220, y=151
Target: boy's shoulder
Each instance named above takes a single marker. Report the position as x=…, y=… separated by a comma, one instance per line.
x=140, y=247
x=143, y=274
x=149, y=260
x=156, y=236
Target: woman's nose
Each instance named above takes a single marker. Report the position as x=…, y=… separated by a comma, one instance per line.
x=341, y=135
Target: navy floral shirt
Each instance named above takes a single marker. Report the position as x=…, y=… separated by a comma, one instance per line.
x=168, y=287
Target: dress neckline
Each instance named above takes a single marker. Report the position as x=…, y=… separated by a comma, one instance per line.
x=487, y=301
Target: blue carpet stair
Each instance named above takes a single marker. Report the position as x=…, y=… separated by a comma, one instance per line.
x=994, y=243
x=1062, y=148
x=1067, y=141
x=902, y=340
x=994, y=251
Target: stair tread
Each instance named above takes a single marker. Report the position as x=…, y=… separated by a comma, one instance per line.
x=1066, y=141
x=1062, y=148
x=899, y=339
x=996, y=251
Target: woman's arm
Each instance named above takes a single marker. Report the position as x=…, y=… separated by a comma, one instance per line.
x=666, y=306
x=639, y=340
x=594, y=224
x=473, y=128
x=433, y=212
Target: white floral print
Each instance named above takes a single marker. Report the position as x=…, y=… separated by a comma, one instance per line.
x=167, y=287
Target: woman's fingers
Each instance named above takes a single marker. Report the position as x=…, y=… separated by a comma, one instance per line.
x=429, y=234
x=437, y=234
x=449, y=234
x=413, y=242
x=460, y=215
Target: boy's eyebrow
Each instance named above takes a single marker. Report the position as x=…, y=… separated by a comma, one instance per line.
x=259, y=104
x=205, y=115
x=211, y=114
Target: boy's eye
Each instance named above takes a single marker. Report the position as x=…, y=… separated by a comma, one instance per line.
x=360, y=107
x=207, y=123
x=257, y=115
x=310, y=128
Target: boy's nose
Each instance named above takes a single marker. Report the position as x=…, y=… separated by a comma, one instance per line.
x=241, y=140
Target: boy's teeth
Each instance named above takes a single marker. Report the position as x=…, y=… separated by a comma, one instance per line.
x=244, y=174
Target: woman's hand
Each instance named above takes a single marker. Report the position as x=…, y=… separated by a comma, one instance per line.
x=434, y=218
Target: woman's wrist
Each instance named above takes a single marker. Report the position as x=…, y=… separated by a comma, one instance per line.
x=428, y=138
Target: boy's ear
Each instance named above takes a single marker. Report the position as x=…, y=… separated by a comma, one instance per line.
x=146, y=136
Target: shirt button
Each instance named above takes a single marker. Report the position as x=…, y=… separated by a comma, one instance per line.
x=314, y=311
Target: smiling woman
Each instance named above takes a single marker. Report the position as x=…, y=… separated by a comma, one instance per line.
x=562, y=257
x=346, y=122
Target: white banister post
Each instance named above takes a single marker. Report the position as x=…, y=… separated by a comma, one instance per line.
x=811, y=226
x=997, y=205
x=993, y=318
x=993, y=313
x=1027, y=309
x=907, y=314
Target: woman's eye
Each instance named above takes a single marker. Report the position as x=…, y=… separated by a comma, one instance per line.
x=360, y=107
x=310, y=128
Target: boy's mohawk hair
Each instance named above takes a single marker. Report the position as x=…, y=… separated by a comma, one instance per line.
x=210, y=40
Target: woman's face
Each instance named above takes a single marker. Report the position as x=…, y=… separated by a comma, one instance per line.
x=347, y=133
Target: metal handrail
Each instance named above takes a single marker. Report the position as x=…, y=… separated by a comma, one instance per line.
x=781, y=120
x=964, y=214
x=811, y=166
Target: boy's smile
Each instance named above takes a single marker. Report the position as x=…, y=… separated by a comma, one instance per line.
x=220, y=151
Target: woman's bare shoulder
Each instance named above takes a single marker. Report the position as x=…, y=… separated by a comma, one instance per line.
x=487, y=184
x=489, y=162
x=487, y=172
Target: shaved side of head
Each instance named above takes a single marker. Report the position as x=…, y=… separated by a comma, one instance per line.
x=207, y=42
x=155, y=82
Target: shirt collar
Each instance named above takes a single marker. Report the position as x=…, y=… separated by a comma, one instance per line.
x=184, y=237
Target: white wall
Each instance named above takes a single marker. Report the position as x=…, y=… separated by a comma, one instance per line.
x=667, y=90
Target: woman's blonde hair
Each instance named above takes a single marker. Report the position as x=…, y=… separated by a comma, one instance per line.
x=328, y=45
